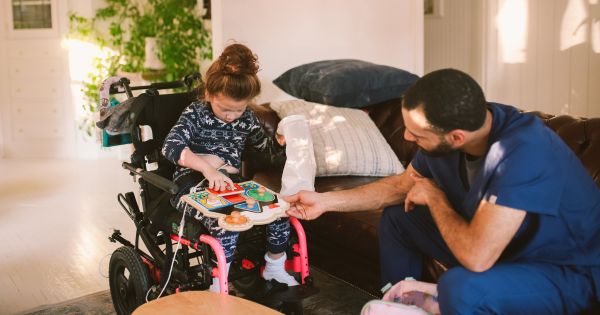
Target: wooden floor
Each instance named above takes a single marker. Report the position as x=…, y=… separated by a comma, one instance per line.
x=55, y=217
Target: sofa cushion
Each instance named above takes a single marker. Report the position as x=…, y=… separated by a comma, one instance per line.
x=346, y=141
x=345, y=82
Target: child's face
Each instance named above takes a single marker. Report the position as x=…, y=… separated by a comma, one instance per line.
x=226, y=108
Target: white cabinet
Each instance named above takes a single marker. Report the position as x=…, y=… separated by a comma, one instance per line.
x=36, y=109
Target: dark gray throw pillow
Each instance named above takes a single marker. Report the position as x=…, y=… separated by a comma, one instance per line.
x=345, y=82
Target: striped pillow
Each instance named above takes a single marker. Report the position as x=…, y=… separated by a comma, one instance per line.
x=346, y=141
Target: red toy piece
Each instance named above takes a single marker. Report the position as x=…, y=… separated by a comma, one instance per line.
x=237, y=189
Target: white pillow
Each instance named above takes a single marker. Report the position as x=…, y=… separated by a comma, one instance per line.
x=346, y=141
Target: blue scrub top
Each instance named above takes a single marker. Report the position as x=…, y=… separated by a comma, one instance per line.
x=528, y=167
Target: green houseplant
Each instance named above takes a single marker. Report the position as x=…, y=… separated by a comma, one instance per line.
x=182, y=41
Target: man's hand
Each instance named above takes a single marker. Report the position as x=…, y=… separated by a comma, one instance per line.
x=305, y=205
x=423, y=192
x=217, y=180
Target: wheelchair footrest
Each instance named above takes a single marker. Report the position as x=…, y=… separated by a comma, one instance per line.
x=273, y=293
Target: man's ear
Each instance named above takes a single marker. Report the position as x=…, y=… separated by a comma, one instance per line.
x=207, y=96
x=456, y=137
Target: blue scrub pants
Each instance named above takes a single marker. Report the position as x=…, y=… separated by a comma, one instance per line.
x=506, y=288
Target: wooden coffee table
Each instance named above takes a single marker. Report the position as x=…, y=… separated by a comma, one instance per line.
x=202, y=302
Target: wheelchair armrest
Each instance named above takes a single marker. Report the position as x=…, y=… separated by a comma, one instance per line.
x=154, y=179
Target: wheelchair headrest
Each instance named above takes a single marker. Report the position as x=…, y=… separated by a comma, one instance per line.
x=160, y=112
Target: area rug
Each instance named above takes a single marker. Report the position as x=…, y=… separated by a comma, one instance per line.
x=335, y=297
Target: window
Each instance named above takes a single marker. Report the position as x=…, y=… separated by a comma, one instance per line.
x=32, y=18
x=31, y=14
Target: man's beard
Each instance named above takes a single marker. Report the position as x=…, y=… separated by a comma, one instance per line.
x=443, y=149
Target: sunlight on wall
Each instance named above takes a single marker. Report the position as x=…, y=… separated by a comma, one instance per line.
x=565, y=109
x=573, y=30
x=595, y=31
x=596, y=36
x=511, y=23
x=82, y=56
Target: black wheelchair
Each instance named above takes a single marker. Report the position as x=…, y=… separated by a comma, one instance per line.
x=173, y=259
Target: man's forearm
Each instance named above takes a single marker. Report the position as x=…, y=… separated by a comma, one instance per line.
x=382, y=193
x=454, y=229
x=476, y=249
x=479, y=243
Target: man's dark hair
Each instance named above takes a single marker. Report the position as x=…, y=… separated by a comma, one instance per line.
x=451, y=100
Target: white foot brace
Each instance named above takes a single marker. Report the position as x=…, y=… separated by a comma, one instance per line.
x=275, y=269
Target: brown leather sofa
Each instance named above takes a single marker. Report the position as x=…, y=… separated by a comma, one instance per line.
x=346, y=245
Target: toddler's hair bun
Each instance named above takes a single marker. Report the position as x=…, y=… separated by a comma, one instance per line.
x=238, y=59
x=233, y=74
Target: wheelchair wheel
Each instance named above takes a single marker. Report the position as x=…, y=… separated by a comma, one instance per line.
x=128, y=279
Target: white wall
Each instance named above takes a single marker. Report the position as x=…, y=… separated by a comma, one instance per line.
x=3, y=86
x=35, y=107
x=551, y=63
x=454, y=38
x=285, y=34
x=534, y=54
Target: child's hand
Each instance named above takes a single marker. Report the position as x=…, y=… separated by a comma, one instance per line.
x=218, y=181
x=280, y=139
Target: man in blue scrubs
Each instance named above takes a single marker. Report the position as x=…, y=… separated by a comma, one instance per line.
x=494, y=195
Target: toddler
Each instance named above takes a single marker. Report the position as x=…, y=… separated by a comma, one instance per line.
x=207, y=143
